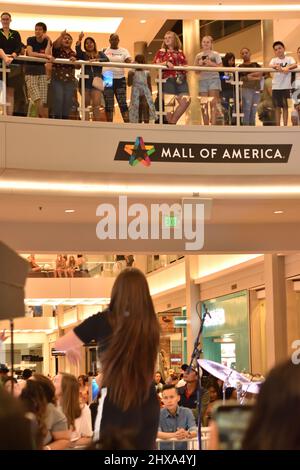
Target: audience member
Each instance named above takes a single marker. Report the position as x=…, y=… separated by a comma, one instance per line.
x=141, y=107
x=228, y=89
x=118, y=88
x=275, y=420
x=57, y=436
x=10, y=45
x=188, y=393
x=176, y=422
x=63, y=80
x=281, y=84
x=171, y=55
x=16, y=428
x=250, y=89
x=78, y=414
x=93, y=95
x=209, y=82
x=39, y=46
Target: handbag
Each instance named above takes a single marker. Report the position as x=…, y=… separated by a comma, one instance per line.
x=98, y=83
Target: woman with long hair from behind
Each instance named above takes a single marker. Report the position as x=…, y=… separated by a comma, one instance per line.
x=275, y=421
x=128, y=337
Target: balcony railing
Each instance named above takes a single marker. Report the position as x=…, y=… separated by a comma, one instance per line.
x=229, y=111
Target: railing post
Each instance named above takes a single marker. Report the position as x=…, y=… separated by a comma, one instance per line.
x=4, y=94
x=82, y=107
x=160, y=97
x=237, y=98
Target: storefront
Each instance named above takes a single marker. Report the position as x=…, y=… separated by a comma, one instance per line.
x=226, y=331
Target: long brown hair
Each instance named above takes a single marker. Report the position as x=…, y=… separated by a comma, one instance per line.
x=70, y=398
x=35, y=401
x=128, y=363
x=47, y=386
x=275, y=421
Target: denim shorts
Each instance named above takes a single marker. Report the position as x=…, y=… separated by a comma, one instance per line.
x=172, y=87
x=209, y=84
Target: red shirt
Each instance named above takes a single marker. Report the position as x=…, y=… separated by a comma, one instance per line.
x=177, y=58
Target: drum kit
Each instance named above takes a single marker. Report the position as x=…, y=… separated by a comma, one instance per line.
x=244, y=383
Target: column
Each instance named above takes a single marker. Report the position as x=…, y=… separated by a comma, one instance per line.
x=140, y=47
x=276, y=312
x=192, y=297
x=47, y=310
x=293, y=317
x=267, y=39
x=191, y=47
x=141, y=262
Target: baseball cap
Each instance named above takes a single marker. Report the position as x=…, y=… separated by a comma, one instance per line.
x=3, y=368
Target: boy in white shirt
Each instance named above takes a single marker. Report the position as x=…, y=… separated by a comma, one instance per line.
x=281, y=84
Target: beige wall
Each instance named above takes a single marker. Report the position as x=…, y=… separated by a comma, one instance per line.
x=287, y=31
x=249, y=37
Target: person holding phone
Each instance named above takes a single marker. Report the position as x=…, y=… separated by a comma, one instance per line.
x=228, y=425
x=209, y=82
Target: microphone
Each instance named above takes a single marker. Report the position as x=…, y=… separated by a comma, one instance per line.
x=206, y=311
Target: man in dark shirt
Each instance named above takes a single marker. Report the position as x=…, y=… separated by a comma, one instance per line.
x=38, y=46
x=250, y=89
x=188, y=393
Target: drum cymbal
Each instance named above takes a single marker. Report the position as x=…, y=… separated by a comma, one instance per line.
x=230, y=377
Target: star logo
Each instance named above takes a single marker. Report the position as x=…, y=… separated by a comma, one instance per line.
x=139, y=152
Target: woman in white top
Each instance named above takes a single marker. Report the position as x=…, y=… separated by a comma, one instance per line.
x=209, y=82
x=78, y=415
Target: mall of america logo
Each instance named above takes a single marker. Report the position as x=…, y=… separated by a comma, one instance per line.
x=139, y=152
x=152, y=222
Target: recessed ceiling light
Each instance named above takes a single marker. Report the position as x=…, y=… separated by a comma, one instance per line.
x=278, y=212
x=69, y=211
x=143, y=21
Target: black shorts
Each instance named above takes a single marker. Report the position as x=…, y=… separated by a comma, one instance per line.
x=280, y=98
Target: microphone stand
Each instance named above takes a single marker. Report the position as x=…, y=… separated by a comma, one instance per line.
x=194, y=358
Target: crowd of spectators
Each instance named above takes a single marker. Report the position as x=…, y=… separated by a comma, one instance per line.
x=52, y=89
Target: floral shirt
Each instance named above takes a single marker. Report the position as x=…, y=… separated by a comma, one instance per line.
x=177, y=58
x=63, y=72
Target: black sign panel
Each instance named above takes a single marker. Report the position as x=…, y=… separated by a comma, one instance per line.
x=134, y=152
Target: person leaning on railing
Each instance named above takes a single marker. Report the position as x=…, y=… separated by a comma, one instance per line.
x=118, y=86
x=176, y=422
x=171, y=55
x=209, y=82
x=63, y=81
x=93, y=95
x=281, y=83
x=250, y=89
x=10, y=45
x=39, y=46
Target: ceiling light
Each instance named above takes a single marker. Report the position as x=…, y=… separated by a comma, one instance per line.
x=69, y=211
x=169, y=190
x=93, y=24
x=155, y=6
x=278, y=212
x=143, y=21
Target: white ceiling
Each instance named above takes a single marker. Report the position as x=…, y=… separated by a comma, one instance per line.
x=130, y=29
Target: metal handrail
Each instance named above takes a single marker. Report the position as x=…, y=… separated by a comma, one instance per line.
x=160, y=80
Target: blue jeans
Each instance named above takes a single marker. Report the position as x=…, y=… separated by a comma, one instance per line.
x=250, y=100
x=62, y=93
